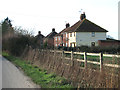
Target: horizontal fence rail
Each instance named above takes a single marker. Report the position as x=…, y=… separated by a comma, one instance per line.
x=111, y=55
x=92, y=54
x=100, y=55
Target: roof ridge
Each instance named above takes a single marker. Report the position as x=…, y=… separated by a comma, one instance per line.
x=64, y=29
x=80, y=24
x=50, y=34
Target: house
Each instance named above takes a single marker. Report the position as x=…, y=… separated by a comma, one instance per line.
x=61, y=39
x=83, y=32
x=49, y=39
x=39, y=39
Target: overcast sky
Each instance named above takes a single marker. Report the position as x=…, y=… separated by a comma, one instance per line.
x=43, y=15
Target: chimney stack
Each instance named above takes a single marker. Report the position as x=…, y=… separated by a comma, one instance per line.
x=53, y=30
x=39, y=32
x=82, y=16
x=67, y=25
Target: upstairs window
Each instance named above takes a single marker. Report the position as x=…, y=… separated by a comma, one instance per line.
x=56, y=38
x=93, y=34
x=59, y=38
x=66, y=35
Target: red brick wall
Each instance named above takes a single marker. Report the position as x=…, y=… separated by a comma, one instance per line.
x=50, y=42
x=64, y=40
x=108, y=43
x=68, y=40
x=55, y=41
x=58, y=41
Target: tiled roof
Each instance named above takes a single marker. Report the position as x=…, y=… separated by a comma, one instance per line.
x=40, y=35
x=64, y=30
x=83, y=26
x=86, y=26
x=51, y=35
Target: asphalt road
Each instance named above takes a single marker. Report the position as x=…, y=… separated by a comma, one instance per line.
x=12, y=77
x=0, y=72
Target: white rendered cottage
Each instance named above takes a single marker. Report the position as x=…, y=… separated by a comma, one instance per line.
x=84, y=32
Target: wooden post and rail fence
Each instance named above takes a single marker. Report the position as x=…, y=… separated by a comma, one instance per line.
x=100, y=55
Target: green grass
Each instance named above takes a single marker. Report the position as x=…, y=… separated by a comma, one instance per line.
x=39, y=76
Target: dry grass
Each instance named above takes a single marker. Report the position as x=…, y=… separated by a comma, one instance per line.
x=85, y=78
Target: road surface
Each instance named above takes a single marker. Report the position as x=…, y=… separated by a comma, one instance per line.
x=0, y=72
x=12, y=77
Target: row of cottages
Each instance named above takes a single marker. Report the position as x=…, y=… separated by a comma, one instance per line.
x=83, y=32
x=41, y=40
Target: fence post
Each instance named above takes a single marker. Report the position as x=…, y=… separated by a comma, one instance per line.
x=54, y=52
x=63, y=54
x=101, y=62
x=71, y=55
x=71, y=58
x=85, y=58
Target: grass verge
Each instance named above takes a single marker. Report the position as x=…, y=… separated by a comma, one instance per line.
x=39, y=76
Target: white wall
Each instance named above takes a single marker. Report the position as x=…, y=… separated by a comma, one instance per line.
x=72, y=39
x=85, y=38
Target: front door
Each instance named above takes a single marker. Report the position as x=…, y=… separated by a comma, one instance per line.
x=93, y=44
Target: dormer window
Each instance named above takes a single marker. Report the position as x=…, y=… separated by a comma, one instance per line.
x=93, y=34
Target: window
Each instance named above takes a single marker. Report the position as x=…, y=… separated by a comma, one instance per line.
x=70, y=34
x=93, y=44
x=93, y=34
x=56, y=45
x=59, y=38
x=74, y=34
x=66, y=44
x=56, y=38
x=66, y=35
